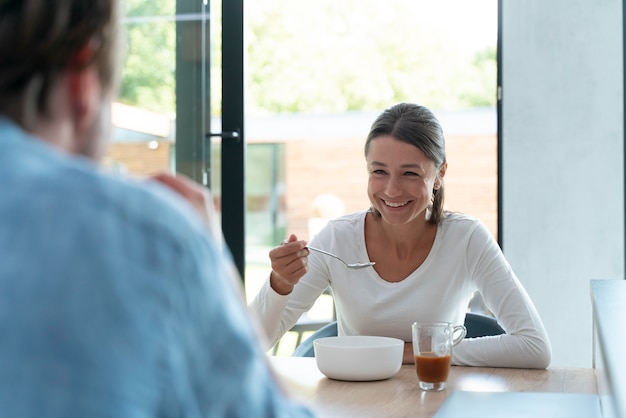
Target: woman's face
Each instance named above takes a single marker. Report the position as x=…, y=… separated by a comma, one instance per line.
x=401, y=180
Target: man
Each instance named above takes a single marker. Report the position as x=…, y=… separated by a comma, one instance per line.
x=114, y=300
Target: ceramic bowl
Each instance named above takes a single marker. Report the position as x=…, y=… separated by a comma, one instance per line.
x=359, y=358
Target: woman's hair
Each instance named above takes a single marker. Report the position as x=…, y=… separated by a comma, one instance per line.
x=41, y=38
x=418, y=126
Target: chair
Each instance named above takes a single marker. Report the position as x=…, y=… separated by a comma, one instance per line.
x=477, y=326
x=306, y=324
x=481, y=325
x=306, y=348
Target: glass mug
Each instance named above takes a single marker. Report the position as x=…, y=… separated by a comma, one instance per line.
x=432, y=347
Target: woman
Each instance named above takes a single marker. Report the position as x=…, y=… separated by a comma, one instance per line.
x=428, y=262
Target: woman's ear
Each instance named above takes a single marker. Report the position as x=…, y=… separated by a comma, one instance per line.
x=442, y=169
x=440, y=174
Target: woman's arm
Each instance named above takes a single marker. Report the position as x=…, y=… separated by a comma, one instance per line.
x=526, y=343
x=277, y=310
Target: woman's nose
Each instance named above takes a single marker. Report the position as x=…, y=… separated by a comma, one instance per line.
x=393, y=187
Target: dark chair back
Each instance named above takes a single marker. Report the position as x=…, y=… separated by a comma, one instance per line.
x=481, y=325
x=477, y=326
x=306, y=348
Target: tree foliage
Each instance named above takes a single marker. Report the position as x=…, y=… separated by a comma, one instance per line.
x=321, y=56
x=148, y=77
x=334, y=56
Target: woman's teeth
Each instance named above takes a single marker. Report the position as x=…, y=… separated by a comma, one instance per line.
x=395, y=205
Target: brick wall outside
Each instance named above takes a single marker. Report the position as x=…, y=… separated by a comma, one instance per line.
x=138, y=158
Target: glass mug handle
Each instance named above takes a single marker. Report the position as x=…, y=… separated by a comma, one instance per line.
x=460, y=331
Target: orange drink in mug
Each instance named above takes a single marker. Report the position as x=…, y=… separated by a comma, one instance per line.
x=432, y=346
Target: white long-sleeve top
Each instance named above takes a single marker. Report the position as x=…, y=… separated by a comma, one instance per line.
x=465, y=257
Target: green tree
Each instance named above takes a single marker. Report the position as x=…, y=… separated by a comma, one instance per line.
x=480, y=89
x=148, y=77
x=335, y=56
x=318, y=56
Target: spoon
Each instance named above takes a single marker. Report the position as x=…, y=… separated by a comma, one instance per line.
x=349, y=265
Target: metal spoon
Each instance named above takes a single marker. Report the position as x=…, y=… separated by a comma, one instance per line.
x=349, y=265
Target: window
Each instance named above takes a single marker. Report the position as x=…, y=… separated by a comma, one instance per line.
x=319, y=71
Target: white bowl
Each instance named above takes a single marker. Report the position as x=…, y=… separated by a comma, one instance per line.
x=359, y=357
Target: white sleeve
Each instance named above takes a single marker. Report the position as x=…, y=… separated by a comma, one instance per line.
x=277, y=313
x=526, y=343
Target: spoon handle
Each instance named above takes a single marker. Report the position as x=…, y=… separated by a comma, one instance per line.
x=325, y=252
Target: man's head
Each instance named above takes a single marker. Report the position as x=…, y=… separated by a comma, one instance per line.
x=58, y=65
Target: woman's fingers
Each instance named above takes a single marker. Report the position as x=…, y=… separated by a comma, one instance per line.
x=290, y=267
x=289, y=263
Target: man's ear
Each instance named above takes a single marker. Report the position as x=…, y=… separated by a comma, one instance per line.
x=84, y=87
x=85, y=98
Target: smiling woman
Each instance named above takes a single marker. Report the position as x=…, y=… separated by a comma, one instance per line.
x=428, y=262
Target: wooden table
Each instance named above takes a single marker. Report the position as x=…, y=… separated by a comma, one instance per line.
x=400, y=396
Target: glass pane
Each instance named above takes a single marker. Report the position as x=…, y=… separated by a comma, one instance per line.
x=318, y=73
x=143, y=115
x=162, y=100
x=215, y=164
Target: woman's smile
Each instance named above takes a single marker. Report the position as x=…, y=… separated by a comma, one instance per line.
x=396, y=204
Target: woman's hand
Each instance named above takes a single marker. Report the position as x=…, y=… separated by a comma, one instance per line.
x=289, y=264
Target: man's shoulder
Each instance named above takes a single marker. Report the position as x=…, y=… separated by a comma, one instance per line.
x=73, y=189
x=138, y=205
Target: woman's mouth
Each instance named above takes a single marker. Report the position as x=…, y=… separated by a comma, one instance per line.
x=396, y=204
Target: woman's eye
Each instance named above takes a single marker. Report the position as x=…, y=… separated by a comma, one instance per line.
x=378, y=172
x=410, y=173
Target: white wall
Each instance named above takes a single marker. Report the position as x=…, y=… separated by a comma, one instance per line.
x=563, y=159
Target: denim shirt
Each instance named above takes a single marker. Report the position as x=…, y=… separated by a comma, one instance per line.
x=114, y=301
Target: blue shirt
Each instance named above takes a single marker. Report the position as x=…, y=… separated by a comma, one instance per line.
x=114, y=301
